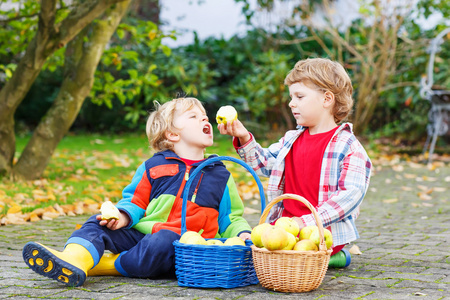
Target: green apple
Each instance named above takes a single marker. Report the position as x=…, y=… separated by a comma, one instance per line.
x=226, y=114
x=289, y=224
x=305, y=233
x=214, y=242
x=234, y=241
x=291, y=243
x=257, y=233
x=305, y=245
x=275, y=238
x=326, y=236
x=109, y=211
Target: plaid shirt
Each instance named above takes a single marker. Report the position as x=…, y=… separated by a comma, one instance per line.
x=343, y=181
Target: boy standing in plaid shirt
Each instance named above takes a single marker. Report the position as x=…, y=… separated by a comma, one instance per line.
x=320, y=160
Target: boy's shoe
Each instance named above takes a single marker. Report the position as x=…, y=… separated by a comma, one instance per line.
x=106, y=266
x=68, y=267
x=342, y=259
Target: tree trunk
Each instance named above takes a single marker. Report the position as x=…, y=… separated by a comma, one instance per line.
x=81, y=61
x=46, y=41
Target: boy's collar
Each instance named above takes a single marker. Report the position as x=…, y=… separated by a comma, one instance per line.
x=343, y=126
x=168, y=154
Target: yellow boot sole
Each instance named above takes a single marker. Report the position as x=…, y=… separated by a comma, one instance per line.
x=45, y=263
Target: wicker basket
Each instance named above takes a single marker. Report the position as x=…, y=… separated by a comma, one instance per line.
x=289, y=270
x=214, y=266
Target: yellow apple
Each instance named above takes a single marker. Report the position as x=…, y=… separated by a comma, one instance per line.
x=187, y=235
x=305, y=233
x=291, y=243
x=305, y=245
x=257, y=233
x=234, y=241
x=326, y=236
x=214, y=242
x=109, y=211
x=196, y=240
x=289, y=224
x=275, y=238
x=226, y=114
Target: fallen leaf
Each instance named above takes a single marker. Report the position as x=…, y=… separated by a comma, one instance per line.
x=392, y=200
x=14, y=209
x=427, y=204
x=250, y=211
x=355, y=250
x=416, y=165
x=424, y=196
x=409, y=176
x=398, y=168
x=422, y=187
x=406, y=188
x=427, y=178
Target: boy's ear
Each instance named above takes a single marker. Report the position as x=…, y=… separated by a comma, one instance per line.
x=328, y=99
x=173, y=137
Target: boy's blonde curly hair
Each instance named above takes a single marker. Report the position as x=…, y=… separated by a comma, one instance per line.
x=325, y=75
x=160, y=121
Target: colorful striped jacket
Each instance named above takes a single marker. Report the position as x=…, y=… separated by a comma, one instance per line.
x=153, y=199
x=344, y=179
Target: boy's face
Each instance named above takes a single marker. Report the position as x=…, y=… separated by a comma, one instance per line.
x=194, y=130
x=307, y=105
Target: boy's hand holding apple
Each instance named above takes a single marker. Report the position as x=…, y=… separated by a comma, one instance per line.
x=232, y=127
x=114, y=224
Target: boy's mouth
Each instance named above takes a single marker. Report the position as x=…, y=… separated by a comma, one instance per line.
x=207, y=129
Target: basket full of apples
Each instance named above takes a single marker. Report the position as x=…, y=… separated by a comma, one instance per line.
x=217, y=262
x=287, y=259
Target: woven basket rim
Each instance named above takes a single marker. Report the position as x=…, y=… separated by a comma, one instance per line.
x=292, y=252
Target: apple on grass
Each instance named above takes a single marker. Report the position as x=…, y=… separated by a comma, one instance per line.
x=289, y=224
x=327, y=236
x=257, y=234
x=226, y=114
x=305, y=245
x=275, y=238
x=109, y=211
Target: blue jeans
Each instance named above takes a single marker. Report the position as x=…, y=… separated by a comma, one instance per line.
x=141, y=255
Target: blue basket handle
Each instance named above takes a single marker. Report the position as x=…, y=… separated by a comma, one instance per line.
x=208, y=162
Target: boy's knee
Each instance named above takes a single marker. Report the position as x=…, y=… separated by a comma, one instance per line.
x=165, y=239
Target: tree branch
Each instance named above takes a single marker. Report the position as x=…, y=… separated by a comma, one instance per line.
x=6, y=21
x=79, y=18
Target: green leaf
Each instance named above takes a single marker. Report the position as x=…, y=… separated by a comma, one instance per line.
x=166, y=50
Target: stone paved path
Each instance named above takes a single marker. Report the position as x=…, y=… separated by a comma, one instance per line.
x=404, y=243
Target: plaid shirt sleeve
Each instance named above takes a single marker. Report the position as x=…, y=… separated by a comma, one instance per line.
x=261, y=160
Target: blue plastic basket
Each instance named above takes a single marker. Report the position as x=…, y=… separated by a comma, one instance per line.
x=214, y=266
